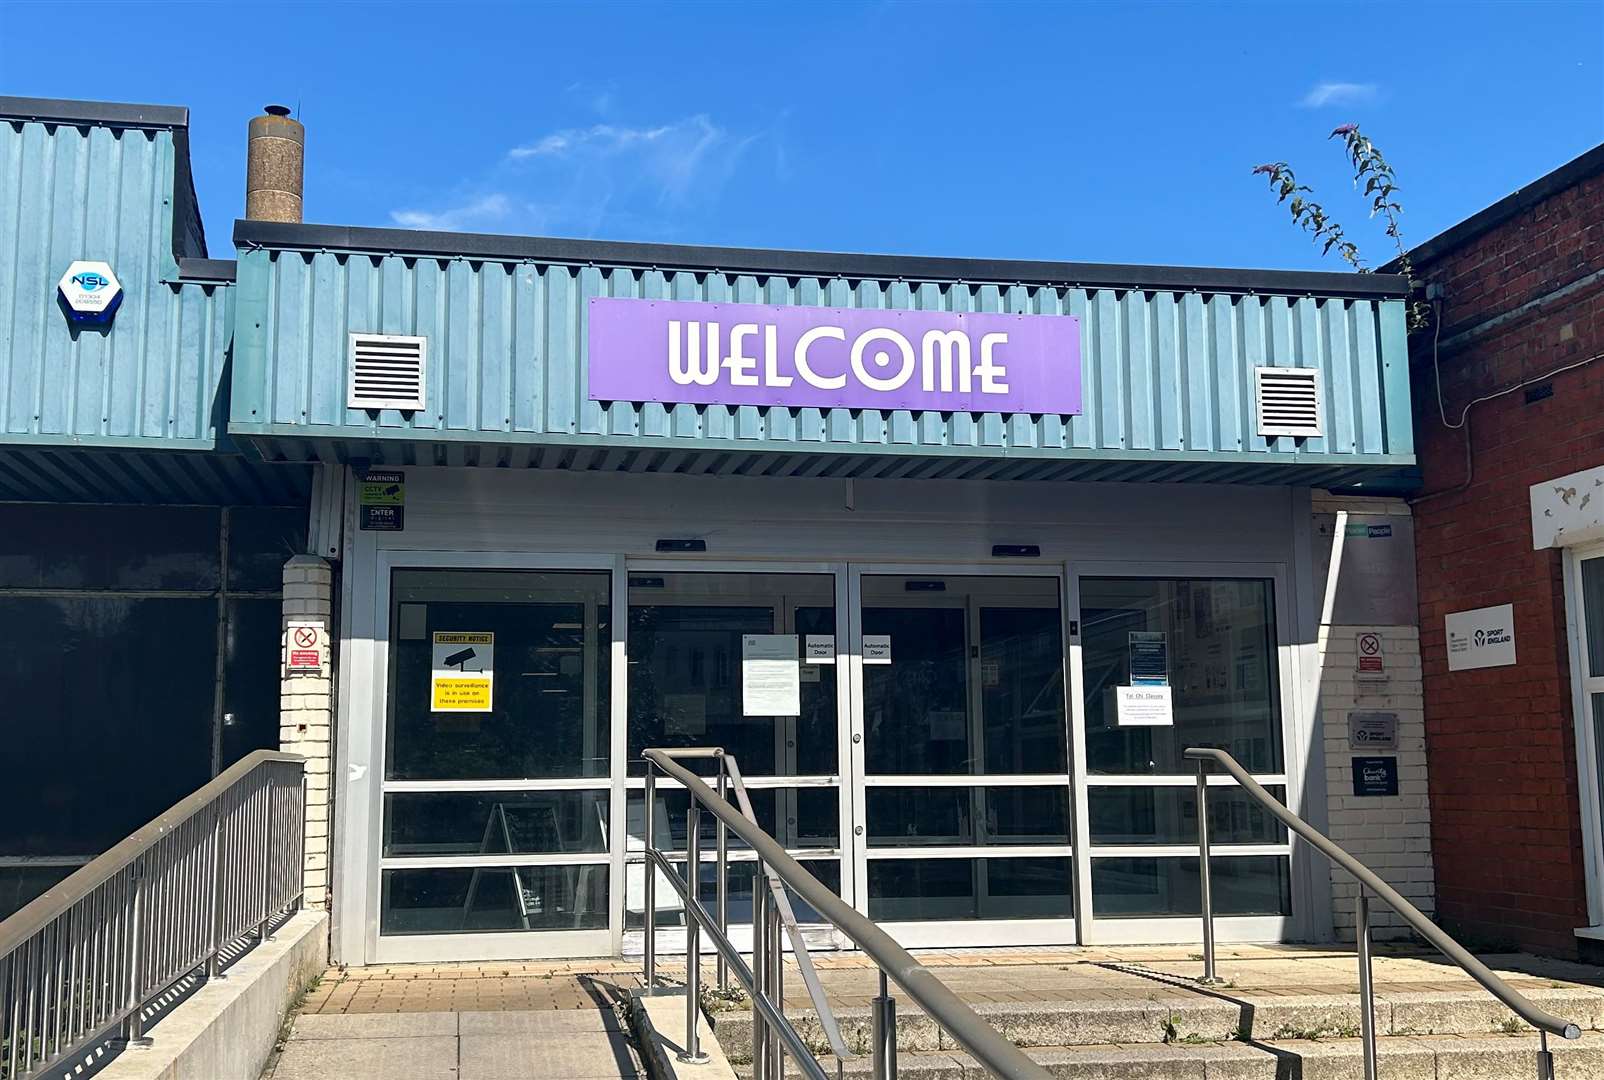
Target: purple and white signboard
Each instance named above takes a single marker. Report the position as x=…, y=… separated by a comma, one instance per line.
x=833, y=358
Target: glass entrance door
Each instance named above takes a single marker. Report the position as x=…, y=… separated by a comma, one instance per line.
x=691, y=635
x=965, y=759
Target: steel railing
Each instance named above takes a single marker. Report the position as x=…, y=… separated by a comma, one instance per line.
x=778, y=875
x=81, y=963
x=1545, y=1022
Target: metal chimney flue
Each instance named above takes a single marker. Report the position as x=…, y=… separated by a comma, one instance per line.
x=273, y=166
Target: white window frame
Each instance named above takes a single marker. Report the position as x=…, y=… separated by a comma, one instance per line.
x=1129, y=930
x=1590, y=785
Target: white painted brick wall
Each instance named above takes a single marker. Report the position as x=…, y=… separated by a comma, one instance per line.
x=306, y=715
x=1391, y=835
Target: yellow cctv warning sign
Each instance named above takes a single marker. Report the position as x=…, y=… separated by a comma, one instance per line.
x=463, y=672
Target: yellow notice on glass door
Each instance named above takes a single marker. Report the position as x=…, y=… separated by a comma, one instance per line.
x=463, y=672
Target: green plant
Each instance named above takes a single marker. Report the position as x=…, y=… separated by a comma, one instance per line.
x=1371, y=168
x=1315, y=1034
x=714, y=1000
x=1509, y=1026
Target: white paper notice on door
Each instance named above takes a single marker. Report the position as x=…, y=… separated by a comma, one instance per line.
x=877, y=648
x=1145, y=706
x=771, y=675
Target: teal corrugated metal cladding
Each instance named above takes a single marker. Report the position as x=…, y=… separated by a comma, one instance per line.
x=90, y=191
x=1168, y=375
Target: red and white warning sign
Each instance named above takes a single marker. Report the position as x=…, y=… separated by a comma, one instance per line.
x=306, y=649
x=1372, y=658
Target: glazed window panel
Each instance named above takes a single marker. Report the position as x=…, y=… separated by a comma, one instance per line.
x=1166, y=887
x=547, y=639
x=490, y=899
x=1219, y=655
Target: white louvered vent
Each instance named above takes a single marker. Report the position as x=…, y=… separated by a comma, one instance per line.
x=1288, y=401
x=387, y=372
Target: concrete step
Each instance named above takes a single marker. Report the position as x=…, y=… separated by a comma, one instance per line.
x=1430, y=1057
x=1201, y=1016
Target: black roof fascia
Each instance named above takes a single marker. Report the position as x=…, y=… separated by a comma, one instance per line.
x=1522, y=199
x=189, y=233
x=777, y=263
x=100, y=113
x=206, y=269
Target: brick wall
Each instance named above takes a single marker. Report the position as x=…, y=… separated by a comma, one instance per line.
x=1521, y=300
x=1389, y=834
x=306, y=715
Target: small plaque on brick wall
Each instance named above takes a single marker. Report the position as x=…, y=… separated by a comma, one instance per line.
x=1372, y=731
x=1375, y=776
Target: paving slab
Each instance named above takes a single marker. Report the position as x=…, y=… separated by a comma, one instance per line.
x=428, y=1057
x=587, y=1055
x=319, y=1026
x=552, y=1022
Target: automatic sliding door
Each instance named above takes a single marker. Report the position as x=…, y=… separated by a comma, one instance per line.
x=689, y=637
x=966, y=764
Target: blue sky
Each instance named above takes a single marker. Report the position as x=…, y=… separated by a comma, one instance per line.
x=1088, y=132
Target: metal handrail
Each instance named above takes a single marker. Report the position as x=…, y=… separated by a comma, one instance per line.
x=999, y=1056
x=1545, y=1022
x=93, y=951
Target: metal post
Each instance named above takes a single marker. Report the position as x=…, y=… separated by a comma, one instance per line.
x=300, y=871
x=776, y=966
x=1367, y=1002
x=1545, y=1057
x=650, y=889
x=722, y=832
x=692, y=1054
x=884, y=1018
x=214, y=949
x=267, y=862
x=1210, y=974
x=760, y=975
x=133, y=1033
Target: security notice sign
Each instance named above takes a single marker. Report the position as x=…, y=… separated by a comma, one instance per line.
x=463, y=672
x=381, y=497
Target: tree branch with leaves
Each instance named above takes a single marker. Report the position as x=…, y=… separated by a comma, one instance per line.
x=1380, y=188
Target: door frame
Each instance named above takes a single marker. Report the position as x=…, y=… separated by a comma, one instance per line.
x=369, y=704
x=967, y=932
x=673, y=940
x=1187, y=929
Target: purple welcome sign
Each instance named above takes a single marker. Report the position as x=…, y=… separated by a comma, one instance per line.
x=854, y=358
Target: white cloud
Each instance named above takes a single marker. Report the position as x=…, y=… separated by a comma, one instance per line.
x=481, y=212
x=1338, y=93
x=677, y=156
x=645, y=178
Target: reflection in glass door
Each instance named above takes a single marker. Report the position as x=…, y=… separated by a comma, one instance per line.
x=496, y=762
x=966, y=805
x=688, y=635
x=1212, y=642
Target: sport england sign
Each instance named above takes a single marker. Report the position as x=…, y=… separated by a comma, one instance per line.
x=833, y=358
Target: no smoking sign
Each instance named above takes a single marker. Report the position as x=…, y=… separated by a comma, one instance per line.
x=1372, y=658
x=306, y=649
